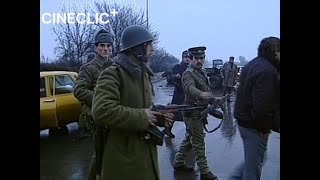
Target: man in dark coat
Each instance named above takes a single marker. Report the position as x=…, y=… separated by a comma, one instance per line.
x=178, y=94
x=257, y=105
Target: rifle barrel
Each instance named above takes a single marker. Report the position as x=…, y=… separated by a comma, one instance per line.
x=175, y=106
x=192, y=108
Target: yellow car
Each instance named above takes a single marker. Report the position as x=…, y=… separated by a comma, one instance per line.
x=58, y=106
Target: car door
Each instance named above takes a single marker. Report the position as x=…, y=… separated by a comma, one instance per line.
x=68, y=107
x=48, y=116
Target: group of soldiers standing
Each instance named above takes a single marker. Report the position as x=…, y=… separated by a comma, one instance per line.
x=117, y=94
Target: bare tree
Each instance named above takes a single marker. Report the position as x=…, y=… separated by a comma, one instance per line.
x=126, y=15
x=44, y=59
x=162, y=61
x=243, y=60
x=73, y=38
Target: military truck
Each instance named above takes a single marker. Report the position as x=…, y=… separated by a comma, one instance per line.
x=214, y=75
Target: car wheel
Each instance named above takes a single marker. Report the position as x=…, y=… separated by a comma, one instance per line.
x=215, y=82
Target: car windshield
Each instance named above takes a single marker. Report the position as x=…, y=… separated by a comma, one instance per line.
x=63, y=84
x=64, y=81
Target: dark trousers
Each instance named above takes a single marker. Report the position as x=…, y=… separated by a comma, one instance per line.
x=178, y=98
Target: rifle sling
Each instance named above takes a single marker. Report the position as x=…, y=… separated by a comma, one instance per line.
x=216, y=128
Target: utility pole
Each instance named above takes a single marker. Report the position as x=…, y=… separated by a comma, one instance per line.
x=147, y=2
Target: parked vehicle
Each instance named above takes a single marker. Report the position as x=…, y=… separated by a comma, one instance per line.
x=214, y=75
x=58, y=106
x=240, y=69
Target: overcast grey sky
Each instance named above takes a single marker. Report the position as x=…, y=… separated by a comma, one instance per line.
x=225, y=27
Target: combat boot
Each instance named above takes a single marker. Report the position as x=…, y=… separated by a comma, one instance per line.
x=208, y=176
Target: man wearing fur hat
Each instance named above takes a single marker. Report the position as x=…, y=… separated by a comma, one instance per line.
x=86, y=82
x=88, y=75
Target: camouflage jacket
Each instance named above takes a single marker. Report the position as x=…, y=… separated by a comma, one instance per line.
x=194, y=83
x=86, y=81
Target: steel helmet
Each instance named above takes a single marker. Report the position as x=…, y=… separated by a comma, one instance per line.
x=134, y=35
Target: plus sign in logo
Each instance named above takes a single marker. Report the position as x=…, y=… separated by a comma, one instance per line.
x=114, y=12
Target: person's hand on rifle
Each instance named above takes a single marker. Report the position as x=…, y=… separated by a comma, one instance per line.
x=207, y=95
x=161, y=119
x=168, y=119
x=178, y=76
x=152, y=116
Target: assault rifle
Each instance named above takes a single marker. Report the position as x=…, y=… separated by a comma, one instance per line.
x=155, y=134
x=173, y=108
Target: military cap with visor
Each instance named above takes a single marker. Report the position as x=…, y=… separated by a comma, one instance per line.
x=197, y=51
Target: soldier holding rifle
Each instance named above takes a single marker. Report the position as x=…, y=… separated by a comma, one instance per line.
x=196, y=86
x=122, y=102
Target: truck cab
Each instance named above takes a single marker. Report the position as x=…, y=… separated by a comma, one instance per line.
x=214, y=75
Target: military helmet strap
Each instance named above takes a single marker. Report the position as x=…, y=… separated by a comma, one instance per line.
x=139, y=52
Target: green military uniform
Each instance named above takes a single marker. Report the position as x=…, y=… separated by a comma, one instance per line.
x=84, y=87
x=123, y=92
x=194, y=82
x=87, y=78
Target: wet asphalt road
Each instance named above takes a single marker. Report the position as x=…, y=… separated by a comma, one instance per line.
x=63, y=157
